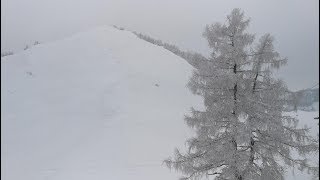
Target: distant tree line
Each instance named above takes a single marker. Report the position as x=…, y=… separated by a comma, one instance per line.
x=302, y=100
x=193, y=58
x=6, y=53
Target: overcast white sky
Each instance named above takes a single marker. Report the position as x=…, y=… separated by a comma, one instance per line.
x=294, y=23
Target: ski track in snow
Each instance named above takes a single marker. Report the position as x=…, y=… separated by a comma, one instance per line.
x=101, y=104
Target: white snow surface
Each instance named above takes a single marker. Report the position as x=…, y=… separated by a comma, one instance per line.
x=101, y=104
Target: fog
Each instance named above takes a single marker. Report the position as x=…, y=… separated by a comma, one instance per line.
x=294, y=23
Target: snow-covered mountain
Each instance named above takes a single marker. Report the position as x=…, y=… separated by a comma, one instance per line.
x=102, y=104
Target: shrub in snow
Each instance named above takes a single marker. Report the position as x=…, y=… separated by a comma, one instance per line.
x=27, y=47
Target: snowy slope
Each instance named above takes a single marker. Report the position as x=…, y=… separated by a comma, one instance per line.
x=101, y=104
x=87, y=107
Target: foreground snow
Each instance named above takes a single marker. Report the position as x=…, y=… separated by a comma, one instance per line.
x=101, y=104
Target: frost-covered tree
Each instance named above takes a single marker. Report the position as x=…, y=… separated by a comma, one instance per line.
x=242, y=132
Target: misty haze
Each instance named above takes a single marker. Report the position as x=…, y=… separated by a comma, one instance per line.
x=140, y=90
